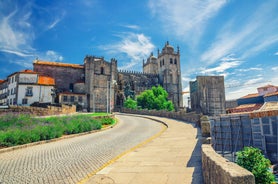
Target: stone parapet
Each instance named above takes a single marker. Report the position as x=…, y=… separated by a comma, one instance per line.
x=218, y=170
x=39, y=111
x=180, y=115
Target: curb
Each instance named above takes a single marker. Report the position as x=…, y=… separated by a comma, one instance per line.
x=87, y=178
x=4, y=150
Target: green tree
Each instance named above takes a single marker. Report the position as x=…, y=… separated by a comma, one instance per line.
x=254, y=161
x=130, y=103
x=155, y=98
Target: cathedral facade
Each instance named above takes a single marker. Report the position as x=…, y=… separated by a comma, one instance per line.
x=99, y=86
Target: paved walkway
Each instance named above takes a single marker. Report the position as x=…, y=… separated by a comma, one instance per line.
x=172, y=158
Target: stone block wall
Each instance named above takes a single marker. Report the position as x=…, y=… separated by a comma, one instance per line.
x=218, y=170
x=180, y=115
x=39, y=111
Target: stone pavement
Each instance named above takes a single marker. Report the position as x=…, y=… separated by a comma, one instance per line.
x=172, y=158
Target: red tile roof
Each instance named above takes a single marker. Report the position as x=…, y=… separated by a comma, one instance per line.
x=40, y=62
x=45, y=80
x=245, y=108
x=271, y=94
x=250, y=95
x=27, y=71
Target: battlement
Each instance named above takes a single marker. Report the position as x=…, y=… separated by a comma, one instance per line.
x=136, y=73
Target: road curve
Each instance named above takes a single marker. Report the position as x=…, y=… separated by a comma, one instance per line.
x=70, y=160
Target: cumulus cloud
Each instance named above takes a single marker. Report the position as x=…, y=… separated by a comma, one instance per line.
x=51, y=55
x=135, y=46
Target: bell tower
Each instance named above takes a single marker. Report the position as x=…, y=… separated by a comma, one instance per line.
x=170, y=74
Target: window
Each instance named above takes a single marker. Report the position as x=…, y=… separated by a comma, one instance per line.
x=80, y=99
x=72, y=98
x=71, y=86
x=171, y=61
x=29, y=91
x=163, y=61
x=175, y=61
x=65, y=98
x=101, y=70
x=14, y=101
x=24, y=101
x=160, y=63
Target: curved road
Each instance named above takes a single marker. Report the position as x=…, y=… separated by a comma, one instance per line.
x=71, y=160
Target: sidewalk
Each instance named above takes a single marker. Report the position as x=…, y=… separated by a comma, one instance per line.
x=172, y=158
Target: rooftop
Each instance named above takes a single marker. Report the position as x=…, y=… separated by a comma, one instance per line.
x=271, y=94
x=267, y=86
x=45, y=80
x=250, y=95
x=50, y=63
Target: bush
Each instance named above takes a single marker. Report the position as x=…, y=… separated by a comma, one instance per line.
x=254, y=161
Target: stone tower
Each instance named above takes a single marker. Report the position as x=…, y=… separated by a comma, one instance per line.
x=207, y=94
x=100, y=78
x=151, y=66
x=170, y=74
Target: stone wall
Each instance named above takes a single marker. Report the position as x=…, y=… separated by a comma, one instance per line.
x=180, y=115
x=218, y=170
x=65, y=76
x=39, y=111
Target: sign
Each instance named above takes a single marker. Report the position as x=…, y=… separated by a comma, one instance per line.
x=28, y=78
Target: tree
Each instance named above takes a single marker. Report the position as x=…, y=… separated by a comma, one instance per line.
x=254, y=161
x=155, y=98
x=130, y=103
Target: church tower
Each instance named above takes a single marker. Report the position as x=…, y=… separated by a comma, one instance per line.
x=170, y=74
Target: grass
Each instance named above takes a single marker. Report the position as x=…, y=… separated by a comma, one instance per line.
x=17, y=129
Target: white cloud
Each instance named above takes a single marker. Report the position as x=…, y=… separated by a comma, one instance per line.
x=274, y=68
x=51, y=55
x=222, y=67
x=254, y=81
x=249, y=69
x=130, y=26
x=251, y=37
x=185, y=18
x=135, y=46
x=18, y=53
x=276, y=54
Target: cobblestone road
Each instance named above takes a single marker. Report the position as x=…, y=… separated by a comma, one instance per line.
x=70, y=160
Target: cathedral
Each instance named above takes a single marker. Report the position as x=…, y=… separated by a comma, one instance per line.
x=98, y=85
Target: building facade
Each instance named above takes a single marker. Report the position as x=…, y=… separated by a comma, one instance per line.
x=26, y=87
x=105, y=87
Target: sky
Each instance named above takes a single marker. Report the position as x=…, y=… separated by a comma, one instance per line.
x=234, y=38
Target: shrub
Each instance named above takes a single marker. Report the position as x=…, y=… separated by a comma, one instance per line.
x=254, y=161
x=22, y=129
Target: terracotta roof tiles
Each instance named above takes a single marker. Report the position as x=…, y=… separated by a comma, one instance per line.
x=45, y=80
x=40, y=62
x=250, y=95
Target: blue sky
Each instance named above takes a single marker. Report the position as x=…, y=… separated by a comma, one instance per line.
x=237, y=39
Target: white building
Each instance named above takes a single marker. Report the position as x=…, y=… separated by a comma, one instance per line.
x=3, y=92
x=267, y=89
x=26, y=87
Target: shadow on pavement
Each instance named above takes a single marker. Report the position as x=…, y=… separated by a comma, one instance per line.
x=196, y=160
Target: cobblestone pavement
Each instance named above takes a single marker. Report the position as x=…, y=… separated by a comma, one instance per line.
x=70, y=160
